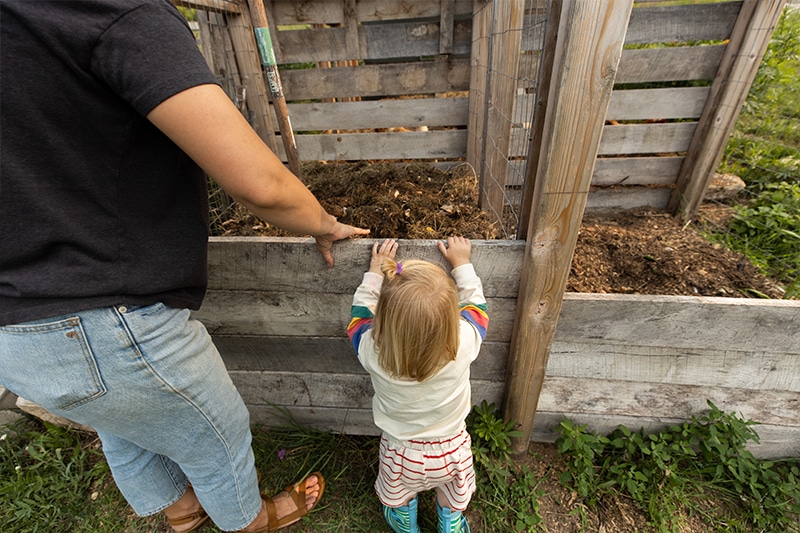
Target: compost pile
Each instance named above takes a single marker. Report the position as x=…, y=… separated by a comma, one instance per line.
x=637, y=252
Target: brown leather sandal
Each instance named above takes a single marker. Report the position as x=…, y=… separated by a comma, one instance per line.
x=181, y=520
x=297, y=493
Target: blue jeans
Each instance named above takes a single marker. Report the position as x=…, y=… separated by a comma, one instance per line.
x=151, y=382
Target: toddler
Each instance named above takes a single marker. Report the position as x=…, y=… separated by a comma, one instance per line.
x=416, y=331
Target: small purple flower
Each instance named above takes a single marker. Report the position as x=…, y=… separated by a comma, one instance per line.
x=281, y=453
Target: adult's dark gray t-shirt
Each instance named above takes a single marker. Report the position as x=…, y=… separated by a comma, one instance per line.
x=97, y=206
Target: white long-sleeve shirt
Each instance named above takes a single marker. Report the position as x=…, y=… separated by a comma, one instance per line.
x=408, y=409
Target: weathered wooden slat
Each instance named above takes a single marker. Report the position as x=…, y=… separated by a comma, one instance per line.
x=291, y=12
x=446, y=26
x=699, y=22
x=606, y=202
x=437, y=144
x=451, y=144
x=775, y=441
x=282, y=264
x=657, y=170
x=376, y=42
x=640, y=361
x=562, y=394
x=602, y=201
x=305, y=314
x=646, y=138
x=377, y=80
x=643, y=104
x=669, y=64
x=609, y=171
x=326, y=389
x=328, y=354
x=712, y=367
x=636, y=104
x=675, y=321
x=636, y=170
x=641, y=399
x=369, y=114
x=636, y=138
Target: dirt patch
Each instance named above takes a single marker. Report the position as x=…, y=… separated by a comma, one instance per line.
x=639, y=252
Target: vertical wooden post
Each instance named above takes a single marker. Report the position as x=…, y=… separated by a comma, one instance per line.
x=586, y=64
x=505, y=50
x=748, y=43
x=543, y=80
x=264, y=42
x=478, y=77
x=446, y=26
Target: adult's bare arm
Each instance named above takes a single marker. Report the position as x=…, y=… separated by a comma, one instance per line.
x=207, y=126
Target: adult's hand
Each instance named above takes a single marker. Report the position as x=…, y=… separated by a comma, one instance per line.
x=340, y=231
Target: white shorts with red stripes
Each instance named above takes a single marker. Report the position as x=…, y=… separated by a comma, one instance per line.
x=409, y=467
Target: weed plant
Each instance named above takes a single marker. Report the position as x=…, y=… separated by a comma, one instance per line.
x=507, y=494
x=676, y=468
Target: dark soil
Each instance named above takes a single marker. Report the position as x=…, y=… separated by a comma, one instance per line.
x=639, y=252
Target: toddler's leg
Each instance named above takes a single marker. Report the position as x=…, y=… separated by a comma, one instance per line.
x=402, y=519
x=449, y=521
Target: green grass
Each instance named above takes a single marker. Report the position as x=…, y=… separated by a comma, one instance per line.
x=55, y=480
x=764, y=150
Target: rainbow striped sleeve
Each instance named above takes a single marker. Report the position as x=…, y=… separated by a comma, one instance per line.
x=476, y=315
x=360, y=323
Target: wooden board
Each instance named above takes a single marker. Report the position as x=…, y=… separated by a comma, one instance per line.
x=670, y=24
x=669, y=64
x=391, y=40
x=291, y=12
x=610, y=171
x=421, y=77
x=386, y=113
x=636, y=138
x=294, y=265
x=423, y=145
x=775, y=441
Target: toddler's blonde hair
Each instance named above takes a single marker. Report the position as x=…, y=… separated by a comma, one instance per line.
x=416, y=319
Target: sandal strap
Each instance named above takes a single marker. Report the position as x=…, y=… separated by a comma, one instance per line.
x=179, y=521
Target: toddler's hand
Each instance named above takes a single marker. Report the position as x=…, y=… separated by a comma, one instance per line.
x=387, y=250
x=457, y=251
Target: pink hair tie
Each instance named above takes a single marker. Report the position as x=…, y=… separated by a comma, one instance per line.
x=399, y=268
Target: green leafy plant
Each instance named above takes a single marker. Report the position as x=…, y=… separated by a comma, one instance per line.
x=508, y=494
x=490, y=433
x=669, y=470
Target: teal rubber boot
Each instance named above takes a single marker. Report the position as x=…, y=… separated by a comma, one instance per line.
x=451, y=521
x=402, y=519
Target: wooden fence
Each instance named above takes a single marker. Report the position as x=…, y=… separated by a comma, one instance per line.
x=398, y=77
x=599, y=141
x=279, y=316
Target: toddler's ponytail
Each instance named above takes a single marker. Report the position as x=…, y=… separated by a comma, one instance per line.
x=390, y=269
